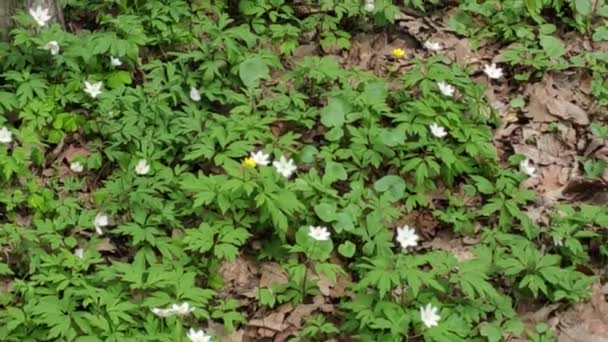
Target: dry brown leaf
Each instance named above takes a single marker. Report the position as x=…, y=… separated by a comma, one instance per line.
x=105, y=245
x=586, y=321
x=239, y=272
x=537, y=157
x=567, y=111
x=274, y=321
x=272, y=273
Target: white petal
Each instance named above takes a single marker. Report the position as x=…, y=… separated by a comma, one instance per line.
x=6, y=137
x=195, y=94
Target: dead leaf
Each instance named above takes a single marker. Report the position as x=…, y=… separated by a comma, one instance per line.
x=274, y=321
x=567, y=111
x=272, y=273
x=240, y=273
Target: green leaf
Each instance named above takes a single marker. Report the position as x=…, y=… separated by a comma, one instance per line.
x=334, y=171
x=326, y=211
x=483, y=185
x=492, y=331
x=252, y=70
x=347, y=249
x=333, y=115
x=393, y=185
x=583, y=7
x=119, y=79
x=552, y=46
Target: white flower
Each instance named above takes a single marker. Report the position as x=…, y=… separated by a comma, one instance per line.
x=142, y=167
x=195, y=94
x=115, y=61
x=285, y=166
x=370, y=6
x=527, y=168
x=93, y=89
x=429, y=315
x=76, y=167
x=432, y=46
x=79, y=252
x=446, y=89
x=407, y=237
x=493, y=71
x=6, y=137
x=438, y=131
x=260, y=158
x=162, y=312
x=40, y=15
x=319, y=233
x=101, y=220
x=558, y=242
x=182, y=309
x=53, y=47
x=198, y=336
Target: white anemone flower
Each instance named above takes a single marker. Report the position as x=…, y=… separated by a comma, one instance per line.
x=76, y=166
x=40, y=15
x=195, y=94
x=526, y=167
x=319, y=233
x=438, y=131
x=6, y=137
x=115, y=61
x=198, y=335
x=446, y=89
x=285, y=167
x=429, y=315
x=93, y=89
x=52, y=47
x=260, y=158
x=142, y=167
x=101, y=220
x=432, y=46
x=407, y=237
x=493, y=71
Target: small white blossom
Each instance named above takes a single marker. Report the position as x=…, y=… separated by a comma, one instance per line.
x=526, y=167
x=101, y=220
x=52, y=47
x=493, y=71
x=432, y=46
x=198, y=336
x=93, y=89
x=319, y=233
x=182, y=309
x=40, y=15
x=162, y=312
x=142, y=167
x=429, y=315
x=369, y=6
x=6, y=137
x=285, y=166
x=195, y=94
x=558, y=242
x=79, y=252
x=76, y=166
x=260, y=158
x=407, y=237
x=115, y=61
x=437, y=130
x=446, y=89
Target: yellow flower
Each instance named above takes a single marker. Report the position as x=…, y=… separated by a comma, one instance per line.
x=398, y=53
x=249, y=162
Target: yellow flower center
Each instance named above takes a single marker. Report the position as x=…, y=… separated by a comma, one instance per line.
x=398, y=53
x=249, y=162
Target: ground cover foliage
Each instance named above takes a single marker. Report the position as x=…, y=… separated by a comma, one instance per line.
x=249, y=170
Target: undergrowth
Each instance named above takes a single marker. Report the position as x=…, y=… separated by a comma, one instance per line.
x=121, y=199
